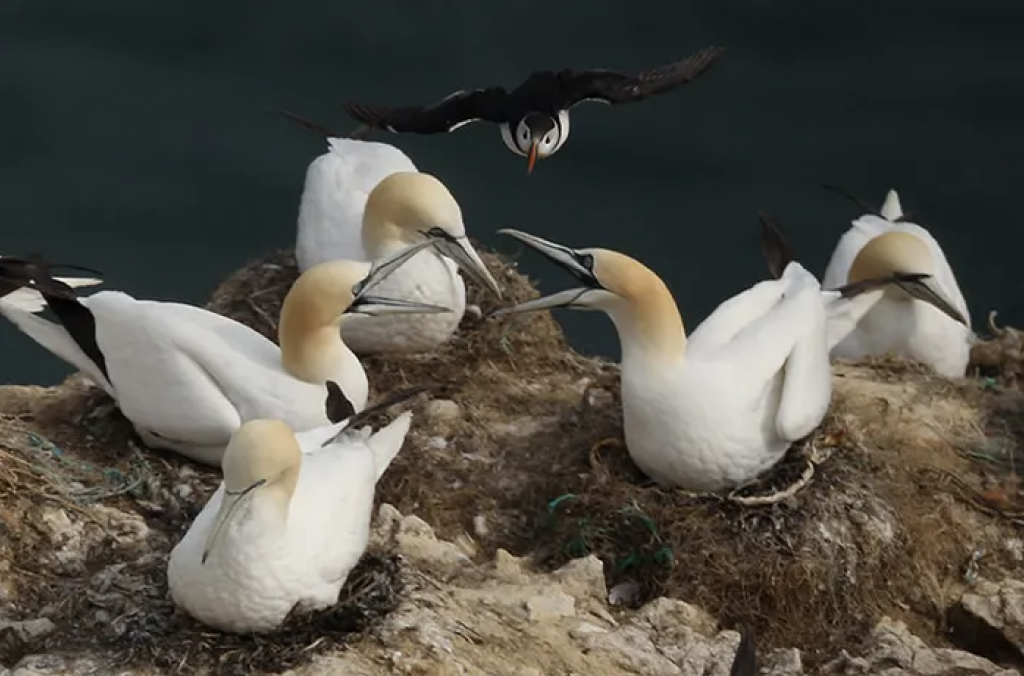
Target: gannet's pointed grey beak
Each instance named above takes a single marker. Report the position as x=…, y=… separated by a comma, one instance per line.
x=465, y=256
x=365, y=303
x=920, y=286
x=579, y=265
x=562, y=255
x=228, y=506
x=567, y=298
x=376, y=306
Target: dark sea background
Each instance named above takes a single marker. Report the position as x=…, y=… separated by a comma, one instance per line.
x=134, y=137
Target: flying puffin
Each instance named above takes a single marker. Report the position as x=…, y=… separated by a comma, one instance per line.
x=534, y=117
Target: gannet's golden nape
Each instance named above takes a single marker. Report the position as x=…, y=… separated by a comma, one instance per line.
x=407, y=206
x=318, y=300
x=905, y=259
x=635, y=298
x=263, y=455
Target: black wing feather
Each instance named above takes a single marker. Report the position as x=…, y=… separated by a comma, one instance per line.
x=777, y=251
x=35, y=272
x=614, y=87
x=438, y=118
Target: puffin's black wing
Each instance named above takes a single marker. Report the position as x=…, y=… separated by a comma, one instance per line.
x=609, y=86
x=447, y=115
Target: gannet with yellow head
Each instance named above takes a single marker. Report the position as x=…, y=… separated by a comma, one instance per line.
x=403, y=209
x=716, y=409
x=363, y=200
x=187, y=378
x=928, y=322
x=286, y=526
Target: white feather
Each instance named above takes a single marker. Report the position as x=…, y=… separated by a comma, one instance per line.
x=334, y=196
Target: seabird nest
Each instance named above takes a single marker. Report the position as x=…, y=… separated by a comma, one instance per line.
x=913, y=493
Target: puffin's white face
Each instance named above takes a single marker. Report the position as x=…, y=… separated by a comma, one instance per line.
x=536, y=136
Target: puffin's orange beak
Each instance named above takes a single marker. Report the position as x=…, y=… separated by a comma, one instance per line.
x=531, y=158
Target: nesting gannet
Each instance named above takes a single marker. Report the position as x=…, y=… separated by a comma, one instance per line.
x=403, y=207
x=534, y=117
x=285, y=527
x=717, y=409
x=928, y=322
x=334, y=195
x=187, y=378
x=18, y=278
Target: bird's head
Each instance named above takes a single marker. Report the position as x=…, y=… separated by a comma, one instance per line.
x=536, y=137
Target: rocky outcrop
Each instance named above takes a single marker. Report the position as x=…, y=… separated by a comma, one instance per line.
x=514, y=536
x=505, y=619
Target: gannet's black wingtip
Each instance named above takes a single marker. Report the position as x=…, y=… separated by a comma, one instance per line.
x=777, y=251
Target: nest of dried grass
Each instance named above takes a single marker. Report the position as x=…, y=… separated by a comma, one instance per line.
x=1000, y=357
x=920, y=482
x=87, y=520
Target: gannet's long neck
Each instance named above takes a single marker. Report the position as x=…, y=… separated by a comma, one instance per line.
x=316, y=354
x=650, y=329
x=278, y=495
x=309, y=329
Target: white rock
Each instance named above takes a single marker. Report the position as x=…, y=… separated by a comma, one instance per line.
x=545, y=608
x=444, y=410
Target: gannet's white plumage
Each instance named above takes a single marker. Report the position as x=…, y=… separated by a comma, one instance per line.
x=898, y=323
x=718, y=409
x=294, y=524
x=403, y=209
x=187, y=377
x=337, y=186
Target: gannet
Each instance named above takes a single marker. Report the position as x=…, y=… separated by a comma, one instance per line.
x=534, y=117
x=402, y=209
x=287, y=524
x=338, y=219
x=927, y=322
x=715, y=410
x=334, y=195
x=187, y=378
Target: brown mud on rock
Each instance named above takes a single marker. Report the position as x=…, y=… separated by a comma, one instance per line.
x=913, y=497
